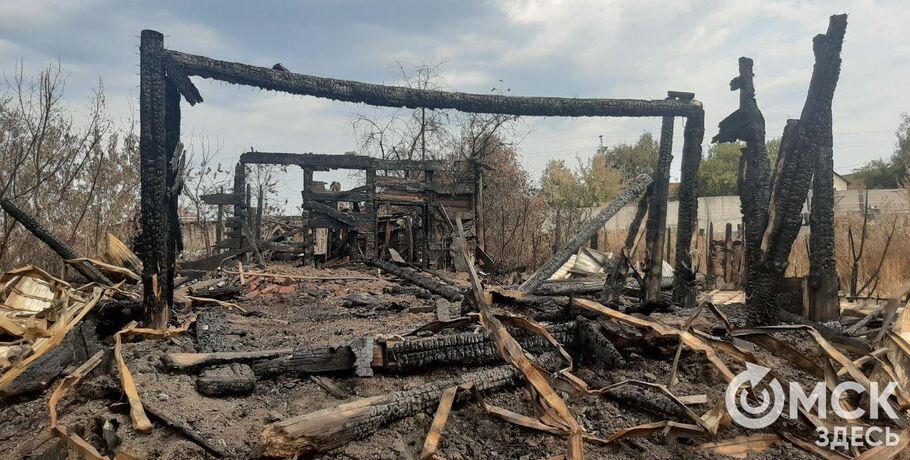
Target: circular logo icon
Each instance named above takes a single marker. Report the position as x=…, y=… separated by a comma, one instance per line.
x=742, y=411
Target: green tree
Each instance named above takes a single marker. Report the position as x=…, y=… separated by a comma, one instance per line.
x=599, y=179
x=560, y=186
x=632, y=159
x=718, y=171
x=878, y=174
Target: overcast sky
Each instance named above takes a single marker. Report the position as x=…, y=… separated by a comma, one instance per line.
x=596, y=48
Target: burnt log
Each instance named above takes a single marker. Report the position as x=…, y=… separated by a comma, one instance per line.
x=62, y=249
x=412, y=276
x=588, y=229
x=657, y=212
x=332, y=427
x=464, y=349
x=235, y=378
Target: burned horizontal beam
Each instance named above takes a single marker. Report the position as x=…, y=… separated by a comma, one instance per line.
x=395, y=96
x=321, y=161
x=225, y=199
x=463, y=349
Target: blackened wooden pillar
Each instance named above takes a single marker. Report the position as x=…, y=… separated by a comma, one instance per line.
x=308, y=233
x=155, y=240
x=219, y=224
x=478, y=206
x=684, y=288
x=657, y=210
x=427, y=217
x=371, y=249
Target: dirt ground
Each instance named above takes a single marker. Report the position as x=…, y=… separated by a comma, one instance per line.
x=316, y=314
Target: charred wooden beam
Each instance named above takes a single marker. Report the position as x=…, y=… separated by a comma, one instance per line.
x=687, y=218
x=321, y=161
x=636, y=186
x=220, y=199
x=748, y=125
x=823, y=281
x=333, y=427
x=62, y=249
x=801, y=144
x=394, y=96
x=412, y=276
x=657, y=211
x=152, y=243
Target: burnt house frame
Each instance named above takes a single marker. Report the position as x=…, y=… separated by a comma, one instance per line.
x=164, y=79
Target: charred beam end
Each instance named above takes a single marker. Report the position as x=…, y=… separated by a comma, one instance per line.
x=687, y=218
x=154, y=221
x=638, y=185
x=394, y=96
x=62, y=249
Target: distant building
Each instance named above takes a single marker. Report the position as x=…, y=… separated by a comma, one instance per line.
x=841, y=182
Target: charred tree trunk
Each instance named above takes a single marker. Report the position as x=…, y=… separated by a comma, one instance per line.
x=823, y=281
x=801, y=144
x=587, y=229
x=153, y=241
x=657, y=211
x=687, y=220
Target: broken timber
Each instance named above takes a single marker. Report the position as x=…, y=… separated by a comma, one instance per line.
x=636, y=186
x=396, y=357
x=333, y=427
x=62, y=249
x=657, y=212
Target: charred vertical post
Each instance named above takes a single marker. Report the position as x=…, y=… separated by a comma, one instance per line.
x=260, y=202
x=175, y=162
x=801, y=144
x=308, y=233
x=427, y=217
x=478, y=207
x=823, y=281
x=687, y=218
x=747, y=124
x=371, y=248
x=657, y=210
x=219, y=223
x=153, y=243
x=728, y=253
